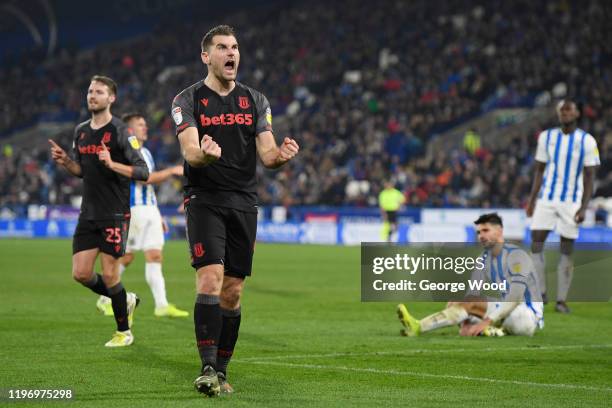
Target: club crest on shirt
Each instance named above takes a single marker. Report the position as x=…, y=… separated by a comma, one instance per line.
x=134, y=142
x=177, y=115
x=243, y=102
x=106, y=138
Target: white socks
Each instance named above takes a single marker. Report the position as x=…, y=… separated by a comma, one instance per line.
x=155, y=279
x=540, y=266
x=565, y=270
x=448, y=317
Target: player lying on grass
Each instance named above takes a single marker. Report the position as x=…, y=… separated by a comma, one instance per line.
x=518, y=312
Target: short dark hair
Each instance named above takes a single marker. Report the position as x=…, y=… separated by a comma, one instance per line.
x=572, y=101
x=218, y=30
x=490, y=218
x=131, y=115
x=112, y=85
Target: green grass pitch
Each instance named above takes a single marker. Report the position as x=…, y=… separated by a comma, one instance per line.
x=306, y=340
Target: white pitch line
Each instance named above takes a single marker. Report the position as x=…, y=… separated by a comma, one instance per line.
x=423, y=351
x=428, y=375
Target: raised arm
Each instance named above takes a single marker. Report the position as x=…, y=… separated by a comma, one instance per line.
x=60, y=157
x=137, y=168
x=273, y=156
x=198, y=154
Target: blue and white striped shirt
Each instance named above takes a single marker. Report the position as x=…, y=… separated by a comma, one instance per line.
x=514, y=266
x=565, y=155
x=141, y=193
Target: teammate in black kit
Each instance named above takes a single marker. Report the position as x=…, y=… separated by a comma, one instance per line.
x=222, y=125
x=106, y=156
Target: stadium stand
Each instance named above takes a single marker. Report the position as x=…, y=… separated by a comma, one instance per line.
x=364, y=90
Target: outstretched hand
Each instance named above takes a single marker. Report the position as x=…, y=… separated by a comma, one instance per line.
x=58, y=154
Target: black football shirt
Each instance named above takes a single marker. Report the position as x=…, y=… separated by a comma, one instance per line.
x=233, y=121
x=106, y=194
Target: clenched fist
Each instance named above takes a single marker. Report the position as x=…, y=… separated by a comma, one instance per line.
x=210, y=149
x=288, y=149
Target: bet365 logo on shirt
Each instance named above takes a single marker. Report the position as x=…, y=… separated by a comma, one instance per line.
x=227, y=119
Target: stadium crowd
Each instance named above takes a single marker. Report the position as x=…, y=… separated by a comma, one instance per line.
x=363, y=89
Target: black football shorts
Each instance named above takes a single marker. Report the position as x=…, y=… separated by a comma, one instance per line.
x=221, y=235
x=107, y=235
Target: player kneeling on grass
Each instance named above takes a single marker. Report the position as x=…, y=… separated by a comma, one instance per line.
x=518, y=312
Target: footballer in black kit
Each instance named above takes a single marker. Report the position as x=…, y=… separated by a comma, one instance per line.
x=105, y=210
x=105, y=156
x=233, y=121
x=222, y=126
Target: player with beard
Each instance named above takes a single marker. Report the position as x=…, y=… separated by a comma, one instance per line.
x=106, y=156
x=518, y=311
x=222, y=126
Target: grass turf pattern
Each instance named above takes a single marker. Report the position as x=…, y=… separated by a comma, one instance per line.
x=305, y=340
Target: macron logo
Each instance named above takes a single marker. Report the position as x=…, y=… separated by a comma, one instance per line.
x=204, y=101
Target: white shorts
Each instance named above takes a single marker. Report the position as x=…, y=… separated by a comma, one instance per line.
x=146, y=230
x=523, y=321
x=548, y=215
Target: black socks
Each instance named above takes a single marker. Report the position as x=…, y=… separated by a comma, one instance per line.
x=96, y=284
x=228, y=338
x=118, y=296
x=207, y=319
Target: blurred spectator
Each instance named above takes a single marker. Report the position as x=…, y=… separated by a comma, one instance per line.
x=471, y=142
x=361, y=88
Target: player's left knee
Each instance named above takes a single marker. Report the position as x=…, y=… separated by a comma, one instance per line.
x=110, y=277
x=127, y=259
x=153, y=256
x=230, y=296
